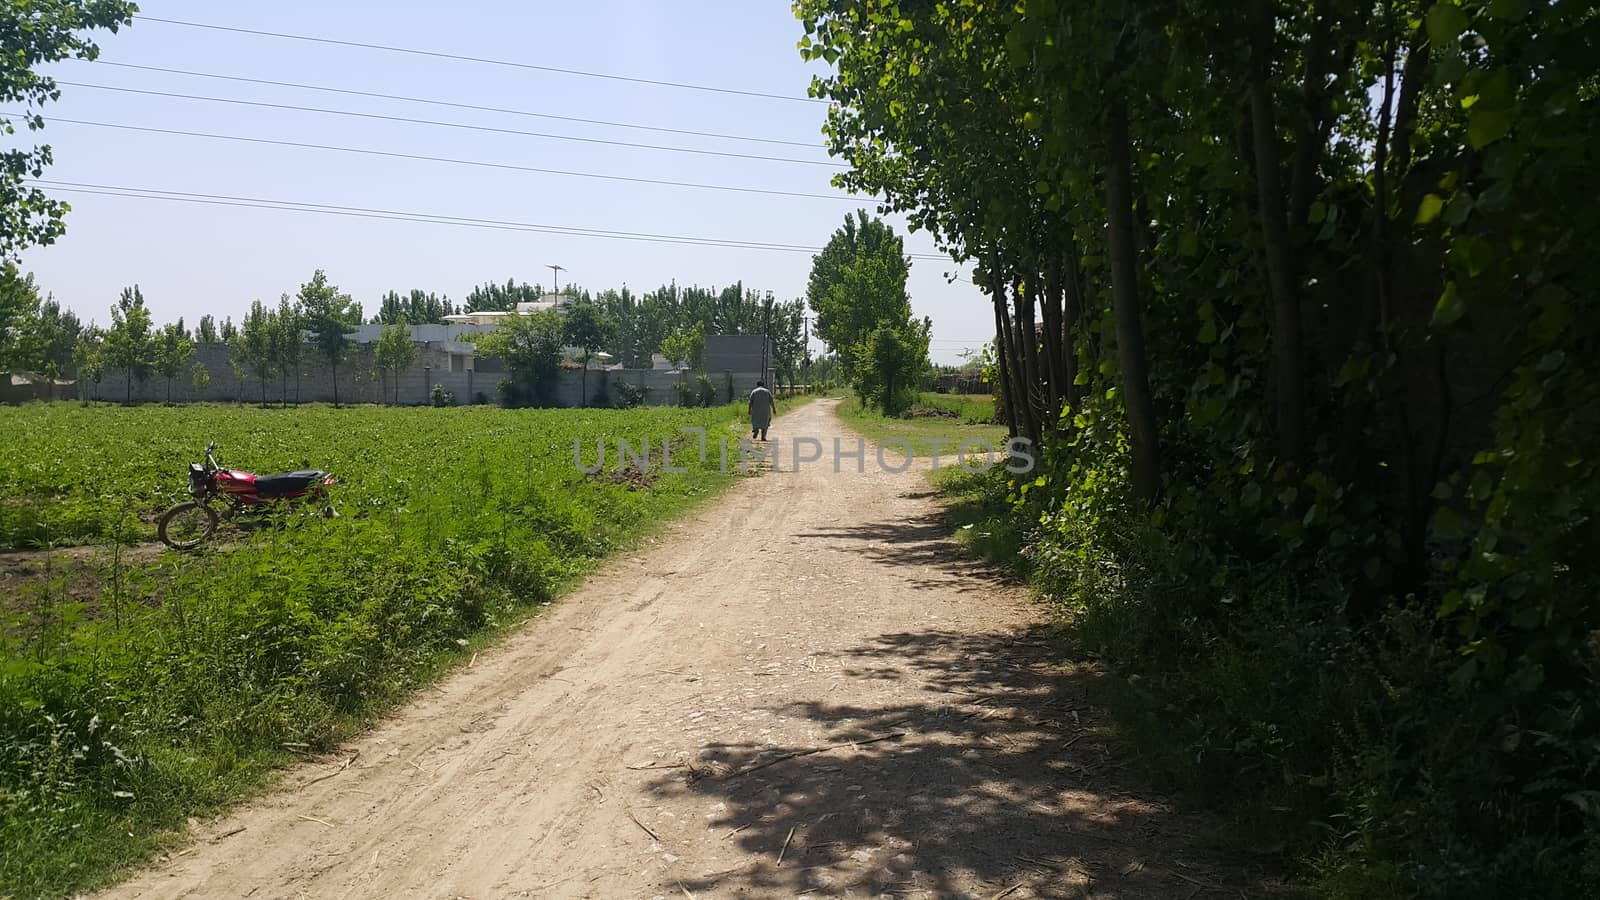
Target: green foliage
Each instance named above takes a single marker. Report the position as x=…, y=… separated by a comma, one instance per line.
x=493, y=297
x=686, y=347
x=172, y=353
x=129, y=344
x=395, y=352
x=587, y=328
x=200, y=378
x=1334, y=263
x=205, y=332
x=416, y=308
x=439, y=397
x=288, y=342
x=254, y=347
x=119, y=718
x=19, y=298
x=531, y=348
x=37, y=32
x=858, y=282
x=626, y=395
x=329, y=316
x=888, y=362
x=88, y=357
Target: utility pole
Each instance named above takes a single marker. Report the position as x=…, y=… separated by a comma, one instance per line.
x=766, y=343
x=555, y=277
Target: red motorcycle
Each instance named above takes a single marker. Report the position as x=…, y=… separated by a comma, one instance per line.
x=190, y=524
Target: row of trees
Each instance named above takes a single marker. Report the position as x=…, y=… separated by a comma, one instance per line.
x=36, y=334
x=270, y=341
x=1319, y=274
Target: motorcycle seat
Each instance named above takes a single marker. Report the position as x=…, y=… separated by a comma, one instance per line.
x=288, y=482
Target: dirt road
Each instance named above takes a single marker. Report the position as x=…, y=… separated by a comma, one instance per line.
x=657, y=734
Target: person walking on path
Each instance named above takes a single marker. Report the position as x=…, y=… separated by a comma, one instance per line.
x=762, y=409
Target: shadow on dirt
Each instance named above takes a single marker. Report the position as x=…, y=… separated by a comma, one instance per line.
x=1000, y=774
x=919, y=552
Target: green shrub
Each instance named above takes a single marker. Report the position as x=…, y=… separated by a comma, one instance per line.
x=629, y=395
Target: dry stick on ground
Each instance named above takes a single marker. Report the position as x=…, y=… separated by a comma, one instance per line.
x=735, y=831
x=318, y=821
x=1008, y=890
x=799, y=753
x=1197, y=882
x=667, y=766
x=334, y=772
x=653, y=836
x=785, y=848
x=685, y=891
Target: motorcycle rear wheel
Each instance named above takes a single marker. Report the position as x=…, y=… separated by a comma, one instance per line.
x=187, y=525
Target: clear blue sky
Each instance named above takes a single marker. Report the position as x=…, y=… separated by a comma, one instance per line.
x=191, y=260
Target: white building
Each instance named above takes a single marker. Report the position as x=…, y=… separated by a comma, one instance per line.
x=492, y=318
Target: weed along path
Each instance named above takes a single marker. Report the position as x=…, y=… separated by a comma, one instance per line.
x=802, y=689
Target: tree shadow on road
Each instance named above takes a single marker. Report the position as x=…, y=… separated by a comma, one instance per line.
x=919, y=552
x=988, y=774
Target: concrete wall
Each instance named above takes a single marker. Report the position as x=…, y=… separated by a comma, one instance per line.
x=737, y=353
x=359, y=381
x=660, y=385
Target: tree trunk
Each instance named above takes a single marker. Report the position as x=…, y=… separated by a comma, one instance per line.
x=129, y=387
x=1405, y=114
x=335, y=367
x=1287, y=359
x=1308, y=143
x=1142, y=432
x=169, y=390
x=1028, y=332
x=1019, y=371
x=1007, y=394
x=1050, y=316
x=1071, y=313
x=583, y=383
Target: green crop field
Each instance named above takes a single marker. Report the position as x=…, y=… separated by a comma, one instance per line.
x=140, y=686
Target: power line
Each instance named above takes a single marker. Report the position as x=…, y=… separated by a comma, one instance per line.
x=461, y=125
x=401, y=216
x=436, y=54
x=454, y=105
x=138, y=193
x=444, y=159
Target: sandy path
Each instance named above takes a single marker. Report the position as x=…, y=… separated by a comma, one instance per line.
x=602, y=751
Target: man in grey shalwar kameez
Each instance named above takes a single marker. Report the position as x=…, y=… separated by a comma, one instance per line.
x=762, y=408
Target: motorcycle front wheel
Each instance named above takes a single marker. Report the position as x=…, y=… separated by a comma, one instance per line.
x=187, y=525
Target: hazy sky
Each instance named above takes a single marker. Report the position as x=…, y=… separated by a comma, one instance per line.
x=192, y=259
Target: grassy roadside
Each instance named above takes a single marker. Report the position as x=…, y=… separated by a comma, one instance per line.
x=941, y=421
x=178, y=686
x=976, y=503
x=990, y=524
